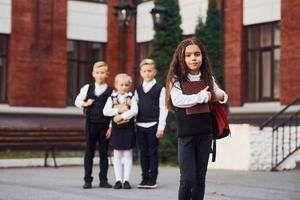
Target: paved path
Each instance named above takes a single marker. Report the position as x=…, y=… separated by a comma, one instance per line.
x=65, y=183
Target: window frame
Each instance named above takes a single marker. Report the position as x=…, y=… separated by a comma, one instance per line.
x=260, y=50
x=74, y=77
x=5, y=56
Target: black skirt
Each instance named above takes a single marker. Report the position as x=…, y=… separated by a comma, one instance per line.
x=123, y=136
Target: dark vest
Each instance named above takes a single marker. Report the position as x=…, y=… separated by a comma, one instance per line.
x=148, y=104
x=190, y=125
x=94, y=113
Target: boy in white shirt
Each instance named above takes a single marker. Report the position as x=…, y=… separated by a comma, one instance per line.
x=92, y=98
x=151, y=121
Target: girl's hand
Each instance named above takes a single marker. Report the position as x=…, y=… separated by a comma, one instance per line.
x=159, y=134
x=88, y=102
x=209, y=95
x=108, y=133
x=204, y=95
x=117, y=118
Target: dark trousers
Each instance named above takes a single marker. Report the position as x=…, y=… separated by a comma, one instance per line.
x=193, y=155
x=148, y=146
x=96, y=133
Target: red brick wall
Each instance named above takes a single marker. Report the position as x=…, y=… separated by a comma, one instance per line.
x=113, y=43
x=289, y=49
x=37, y=54
x=233, y=20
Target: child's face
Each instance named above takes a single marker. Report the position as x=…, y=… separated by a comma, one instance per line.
x=122, y=86
x=148, y=72
x=193, y=58
x=100, y=74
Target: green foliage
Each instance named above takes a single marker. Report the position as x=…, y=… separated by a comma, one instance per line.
x=164, y=44
x=210, y=35
x=166, y=39
x=168, y=144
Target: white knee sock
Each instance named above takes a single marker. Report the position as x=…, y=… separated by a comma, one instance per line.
x=118, y=164
x=127, y=164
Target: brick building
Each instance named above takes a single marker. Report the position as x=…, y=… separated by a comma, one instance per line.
x=47, y=48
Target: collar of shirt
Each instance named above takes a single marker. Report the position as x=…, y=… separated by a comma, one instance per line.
x=148, y=85
x=100, y=88
x=196, y=77
x=116, y=94
x=121, y=97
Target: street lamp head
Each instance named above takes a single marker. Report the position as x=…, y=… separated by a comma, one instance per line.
x=158, y=14
x=124, y=12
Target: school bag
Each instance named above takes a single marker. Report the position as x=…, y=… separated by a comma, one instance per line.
x=220, y=124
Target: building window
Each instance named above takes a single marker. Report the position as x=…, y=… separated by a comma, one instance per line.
x=263, y=62
x=144, y=50
x=81, y=57
x=3, y=67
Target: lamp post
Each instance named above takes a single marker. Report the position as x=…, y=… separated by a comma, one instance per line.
x=124, y=13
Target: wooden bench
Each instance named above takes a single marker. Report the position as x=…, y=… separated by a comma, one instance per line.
x=48, y=140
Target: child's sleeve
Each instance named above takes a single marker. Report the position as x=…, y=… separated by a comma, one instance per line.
x=219, y=90
x=108, y=109
x=81, y=96
x=136, y=96
x=185, y=101
x=163, y=111
x=133, y=111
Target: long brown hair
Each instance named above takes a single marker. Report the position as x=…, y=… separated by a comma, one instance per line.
x=178, y=70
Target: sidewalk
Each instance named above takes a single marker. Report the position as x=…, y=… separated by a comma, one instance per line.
x=64, y=183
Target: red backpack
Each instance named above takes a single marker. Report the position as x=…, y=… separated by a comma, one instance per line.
x=220, y=124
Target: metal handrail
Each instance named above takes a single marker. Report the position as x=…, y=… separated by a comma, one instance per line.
x=287, y=120
x=281, y=150
x=273, y=118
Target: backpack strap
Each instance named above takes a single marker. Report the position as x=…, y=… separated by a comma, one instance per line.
x=114, y=100
x=214, y=150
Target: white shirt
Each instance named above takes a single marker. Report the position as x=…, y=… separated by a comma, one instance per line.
x=184, y=101
x=163, y=111
x=99, y=89
x=109, y=111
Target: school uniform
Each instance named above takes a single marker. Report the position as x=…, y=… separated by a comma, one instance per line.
x=194, y=140
x=95, y=128
x=122, y=136
x=151, y=117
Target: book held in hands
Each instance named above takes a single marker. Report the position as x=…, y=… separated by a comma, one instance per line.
x=194, y=87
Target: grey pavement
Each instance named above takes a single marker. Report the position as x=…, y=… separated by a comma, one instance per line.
x=64, y=183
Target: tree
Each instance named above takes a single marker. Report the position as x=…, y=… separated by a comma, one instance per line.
x=210, y=35
x=164, y=44
x=167, y=38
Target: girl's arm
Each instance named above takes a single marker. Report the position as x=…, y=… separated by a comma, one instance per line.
x=108, y=109
x=133, y=111
x=185, y=101
x=221, y=96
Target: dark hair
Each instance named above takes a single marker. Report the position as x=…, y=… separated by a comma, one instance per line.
x=178, y=70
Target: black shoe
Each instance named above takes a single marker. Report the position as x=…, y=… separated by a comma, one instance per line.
x=126, y=185
x=151, y=184
x=105, y=184
x=118, y=185
x=143, y=183
x=87, y=185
